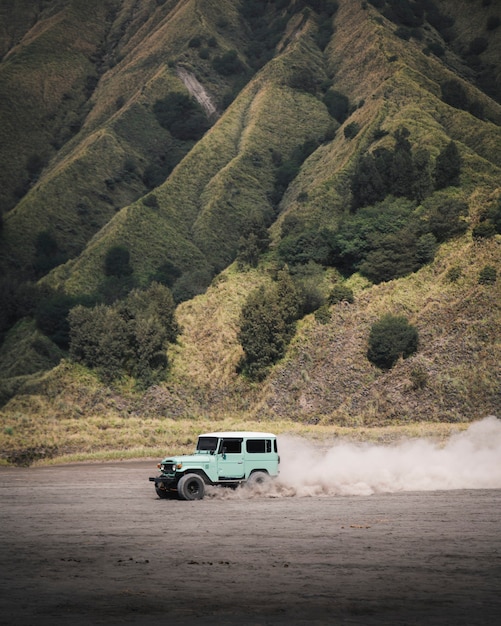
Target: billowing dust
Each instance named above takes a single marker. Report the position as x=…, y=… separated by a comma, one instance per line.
x=469, y=460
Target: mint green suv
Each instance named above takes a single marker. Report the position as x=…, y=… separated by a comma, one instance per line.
x=221, y=458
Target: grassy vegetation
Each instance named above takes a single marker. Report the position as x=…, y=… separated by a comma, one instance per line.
x=84, y=141
x=25, y=441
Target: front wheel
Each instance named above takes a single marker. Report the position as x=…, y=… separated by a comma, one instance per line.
x=191, y=487
x=163, y=494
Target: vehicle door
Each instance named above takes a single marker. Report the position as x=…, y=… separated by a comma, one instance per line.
x=230, y=458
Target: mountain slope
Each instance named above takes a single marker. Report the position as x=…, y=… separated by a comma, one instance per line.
x=93, y=166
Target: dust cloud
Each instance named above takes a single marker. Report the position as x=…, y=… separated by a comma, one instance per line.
x=468, y=460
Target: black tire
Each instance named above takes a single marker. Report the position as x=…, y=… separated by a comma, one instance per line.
x=191, y=487
x=258, y=478
x=162, y=493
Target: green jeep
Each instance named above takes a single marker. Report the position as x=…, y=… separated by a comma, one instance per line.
x=221, y=458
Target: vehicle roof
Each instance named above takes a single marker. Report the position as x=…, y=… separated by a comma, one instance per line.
x=237, y=433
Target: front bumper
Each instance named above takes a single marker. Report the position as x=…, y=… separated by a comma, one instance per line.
x=164, y=482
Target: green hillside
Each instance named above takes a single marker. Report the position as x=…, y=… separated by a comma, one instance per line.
x=219, y=147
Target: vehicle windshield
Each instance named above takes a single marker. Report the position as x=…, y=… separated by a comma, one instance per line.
x=207, y=444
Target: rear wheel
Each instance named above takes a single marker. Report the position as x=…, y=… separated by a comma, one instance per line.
x=191, y=487
x=258, y=478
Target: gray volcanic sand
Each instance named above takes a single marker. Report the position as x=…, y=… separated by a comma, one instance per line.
x=92, y=544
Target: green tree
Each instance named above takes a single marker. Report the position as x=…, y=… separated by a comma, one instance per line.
x=99, y=339
x=448, y=167
x=390, y=338
x=51, y=316
x=262, y=334
x=367, y=185
x=47, y=253
x=267, y=325
x=423, y=180
x=445, y=217
x=253, y=243
x=128, y=337
x=402, y=165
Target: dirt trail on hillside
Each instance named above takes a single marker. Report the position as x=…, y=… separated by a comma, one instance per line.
x=197, y=90
x=92, y=544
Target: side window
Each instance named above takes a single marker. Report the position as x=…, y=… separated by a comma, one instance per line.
x=232, y=446
x=255, y=446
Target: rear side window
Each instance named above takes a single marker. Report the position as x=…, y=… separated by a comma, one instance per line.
x=255, y=446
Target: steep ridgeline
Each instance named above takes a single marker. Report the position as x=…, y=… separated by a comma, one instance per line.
x=207, y=145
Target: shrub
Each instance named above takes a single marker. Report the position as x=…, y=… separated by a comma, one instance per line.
x=167, y=274
x=393, y=255
x=341, y=293
x=454, y=274
x=419, y=378
x=151, y=201
x=478, y=45
x=351, y=130
x=435, y=48
x=382, y=241
x=310, y=295
x=484, y=230
x=493, y=21
x=390, y=338
x=323, y=314
x=117, y=262
x=303, y=79
x=494, y=215
x=487, y=275
x=181, y=115
x=191, y=284
x=453, y=93
x=308, y=246
x=228, y=63
x=403, y=33
x=337, y=104
x=325, y=32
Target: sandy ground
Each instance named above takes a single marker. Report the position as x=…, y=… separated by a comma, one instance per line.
x=92, y=544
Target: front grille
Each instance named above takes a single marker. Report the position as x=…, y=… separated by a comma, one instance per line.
x=168, y=468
